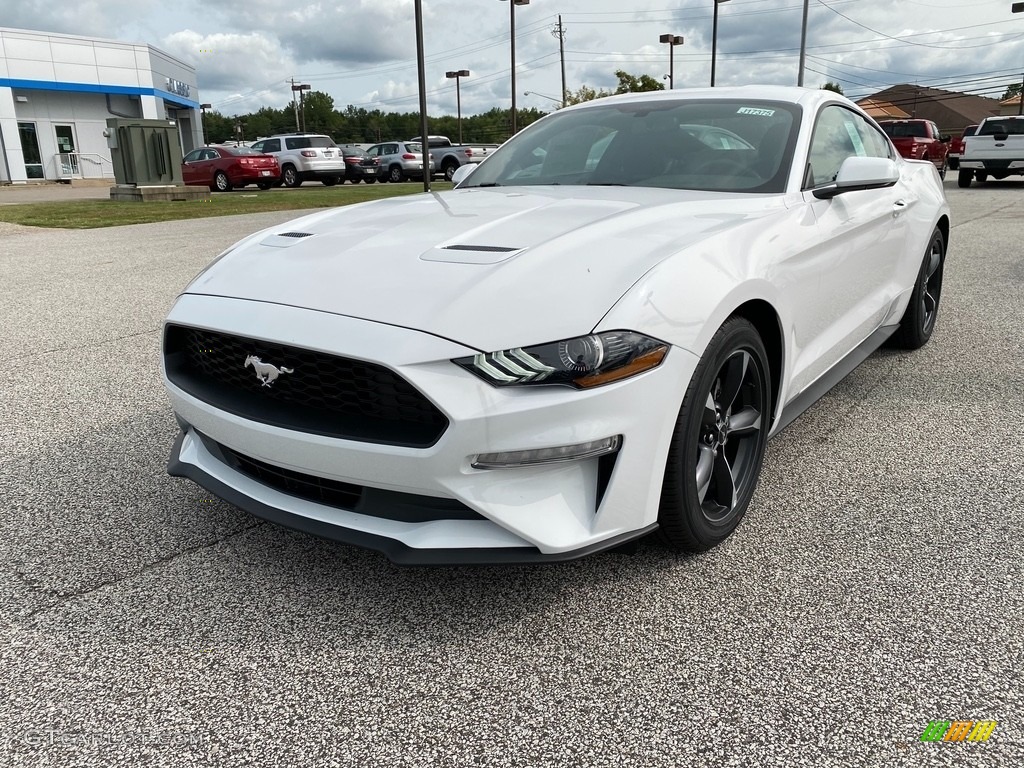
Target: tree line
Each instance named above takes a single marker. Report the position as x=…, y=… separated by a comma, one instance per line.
x=357, y=125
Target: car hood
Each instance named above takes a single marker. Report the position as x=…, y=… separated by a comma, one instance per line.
x=488, y=268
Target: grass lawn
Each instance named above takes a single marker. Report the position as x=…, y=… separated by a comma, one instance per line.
x=89, y=214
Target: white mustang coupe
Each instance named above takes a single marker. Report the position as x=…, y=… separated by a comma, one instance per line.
x=589, y=339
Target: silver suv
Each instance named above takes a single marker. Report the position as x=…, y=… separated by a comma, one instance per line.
x=399, y=160
x=305, y=157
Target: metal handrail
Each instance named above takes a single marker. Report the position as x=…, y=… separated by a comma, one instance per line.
x=69, y=165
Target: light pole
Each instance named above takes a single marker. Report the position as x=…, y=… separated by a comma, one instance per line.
x=203, y=108
x=512, y=44
x=714, y=40
x=300, y=87
x=544, y=96
x=458, y=96
x=673, y=41
x=421, y=78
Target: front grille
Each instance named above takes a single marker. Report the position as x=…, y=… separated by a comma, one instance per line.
x=363, y=500
x=318, y=393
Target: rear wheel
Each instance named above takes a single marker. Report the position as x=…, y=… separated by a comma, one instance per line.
x=264, y=184
x=220, y=182
x=290, y=177
x=964, y=178
x=396, y=174
x=449, y=170
x=919, y=319
x=329, y=181
x=719, y=440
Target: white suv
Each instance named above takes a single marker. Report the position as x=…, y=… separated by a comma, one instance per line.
x=304, y=157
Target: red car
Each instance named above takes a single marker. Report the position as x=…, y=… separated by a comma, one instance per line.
x=956, y=146
x=222, y=168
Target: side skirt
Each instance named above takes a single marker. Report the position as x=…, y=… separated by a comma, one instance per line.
x=833, y=376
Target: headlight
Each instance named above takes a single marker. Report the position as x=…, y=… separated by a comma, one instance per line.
x=582, y=362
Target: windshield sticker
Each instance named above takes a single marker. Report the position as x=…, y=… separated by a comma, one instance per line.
x=755, y=111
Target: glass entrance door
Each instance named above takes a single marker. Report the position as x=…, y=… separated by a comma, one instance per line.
x=30, y=150
x=66, y=147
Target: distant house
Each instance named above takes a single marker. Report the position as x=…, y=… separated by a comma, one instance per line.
x=882, y=110
x=1010, y=106
x=950, y=110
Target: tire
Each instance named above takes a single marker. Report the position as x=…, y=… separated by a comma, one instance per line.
x=964, y=179
x=918, y=321
x=449, y=170
x=264, y=185
x=981, y=176
x=953, y=163
x=220, y=182
x=371, y=179
x=942, y=170
x=329, y=181
x=396, y=174
x=713, y=464
x=356, y=179
x=290, y=177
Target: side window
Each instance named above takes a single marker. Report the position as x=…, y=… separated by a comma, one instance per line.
x=840, y=134
x=258, y=146
x=210, y=154
x=192, y=156
x=272, y=145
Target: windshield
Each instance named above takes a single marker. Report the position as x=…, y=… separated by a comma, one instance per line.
x=731, y=146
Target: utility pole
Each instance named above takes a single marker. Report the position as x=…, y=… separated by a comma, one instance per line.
x=803, y=44
x=559, y=32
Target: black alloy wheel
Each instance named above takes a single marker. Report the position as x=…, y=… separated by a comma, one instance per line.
x=922, y=312
x=719, y=441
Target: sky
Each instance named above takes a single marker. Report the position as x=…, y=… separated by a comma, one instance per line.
x=363, y=52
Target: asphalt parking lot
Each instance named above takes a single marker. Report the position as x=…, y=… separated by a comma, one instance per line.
x=874, y=586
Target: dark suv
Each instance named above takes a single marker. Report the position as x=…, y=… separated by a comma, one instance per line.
x=305, y=157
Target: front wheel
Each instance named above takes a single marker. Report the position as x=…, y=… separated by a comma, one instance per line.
x=964, y=179
x=942, y=170
x=919, y=318
x=719, y=441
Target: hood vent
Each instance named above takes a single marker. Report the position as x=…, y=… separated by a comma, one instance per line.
x=481, y=248
x=284, y=239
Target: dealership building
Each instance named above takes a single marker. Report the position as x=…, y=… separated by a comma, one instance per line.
x=57, y=91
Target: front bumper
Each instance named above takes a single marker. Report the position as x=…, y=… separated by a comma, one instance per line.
x=524, y=514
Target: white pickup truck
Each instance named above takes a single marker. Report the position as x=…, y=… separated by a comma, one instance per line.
x=996, y=150
x=448, y=157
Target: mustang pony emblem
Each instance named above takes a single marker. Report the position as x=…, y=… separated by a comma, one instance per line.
x=265, y=372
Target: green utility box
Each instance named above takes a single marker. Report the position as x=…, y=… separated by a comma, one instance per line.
x=144, y=152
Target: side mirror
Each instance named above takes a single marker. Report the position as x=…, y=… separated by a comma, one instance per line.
x=462, y=173
x=860, y=173
x=944, y=138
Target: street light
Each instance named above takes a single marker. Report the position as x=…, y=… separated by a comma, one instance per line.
x=673, y=41
x=300, y=87
x=458, y=96
x=714, y=40
x=543, y=96
x=512, y=40
x=202, y=119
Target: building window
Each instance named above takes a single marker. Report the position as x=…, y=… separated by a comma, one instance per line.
x=30, y=149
